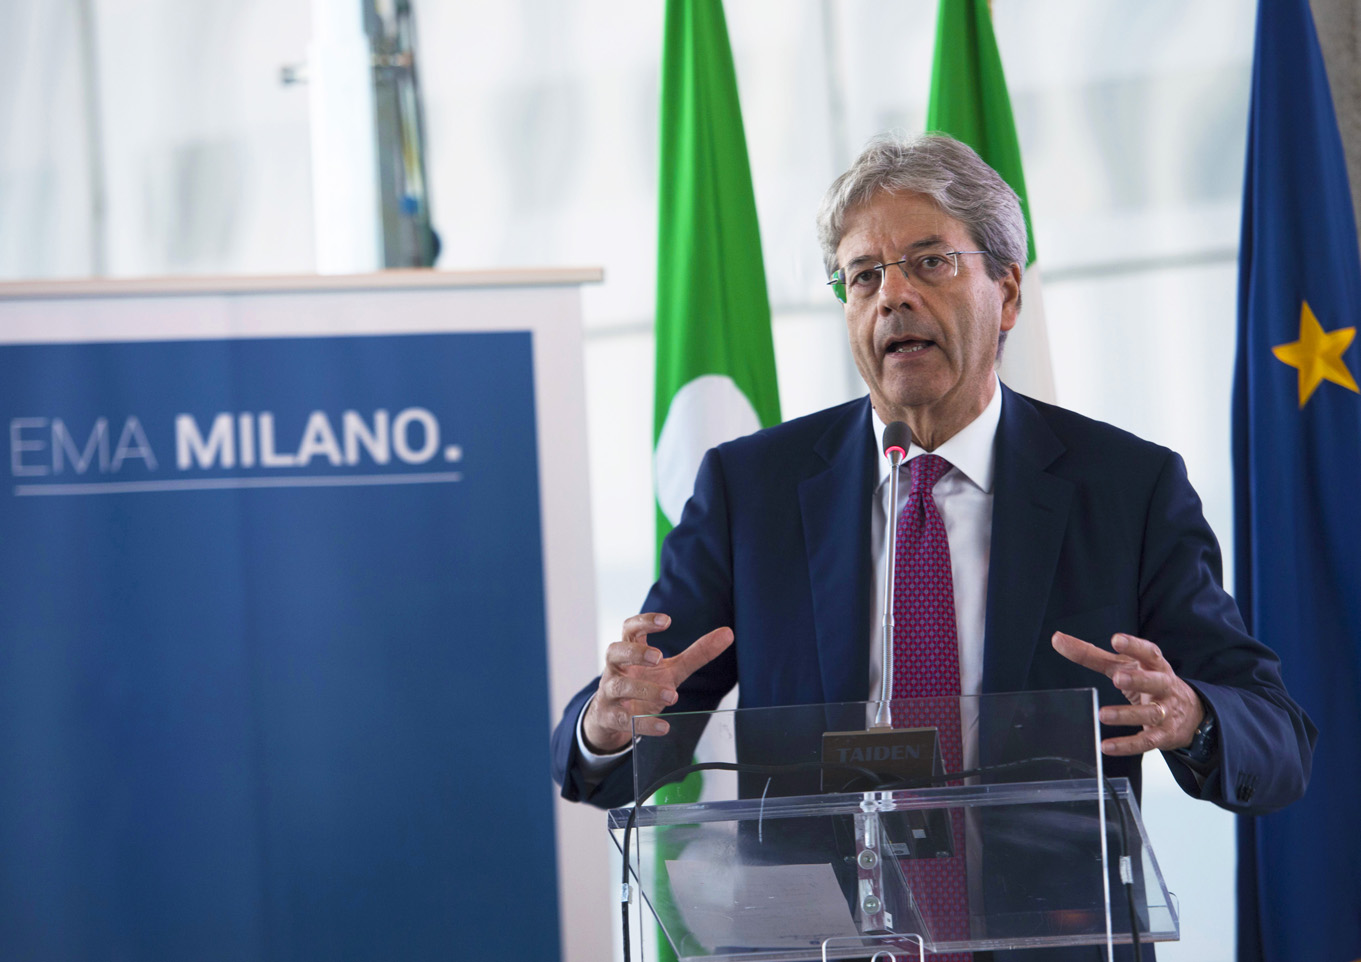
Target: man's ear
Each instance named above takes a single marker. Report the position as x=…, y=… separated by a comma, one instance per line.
x=1010, y=286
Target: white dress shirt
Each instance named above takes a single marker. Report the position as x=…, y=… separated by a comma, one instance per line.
x=963, y=497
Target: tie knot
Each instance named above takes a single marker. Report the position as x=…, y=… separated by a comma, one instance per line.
x=927, y=469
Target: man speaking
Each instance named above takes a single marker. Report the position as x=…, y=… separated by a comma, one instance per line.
x=1055, y=551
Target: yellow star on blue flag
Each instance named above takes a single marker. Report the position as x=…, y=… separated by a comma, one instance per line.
x=1318, y=355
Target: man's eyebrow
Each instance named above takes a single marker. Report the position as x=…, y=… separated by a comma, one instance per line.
x=935, y=240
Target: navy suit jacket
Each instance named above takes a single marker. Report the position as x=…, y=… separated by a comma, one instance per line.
x=1094, y=532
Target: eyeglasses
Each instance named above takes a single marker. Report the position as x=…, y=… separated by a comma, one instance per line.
x=929, y=269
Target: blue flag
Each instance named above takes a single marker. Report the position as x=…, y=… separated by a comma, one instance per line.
x=1297, y=487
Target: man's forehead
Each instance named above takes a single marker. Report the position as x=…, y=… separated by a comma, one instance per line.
x=896, y=222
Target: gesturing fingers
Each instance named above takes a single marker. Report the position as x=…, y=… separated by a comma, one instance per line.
x=1136, y=666
x=1134, y=681
x=623, y=655
x=1148, y=715
x=647, y=695
x=704, y=650
x=646, y=688
x=1162, y=705
x=618, y=720
x=1144, y=652
x=632, y=649
x=639, y=626
x=639, y=681
x=1088, y=655
x=634, y=682
x=1136, y=744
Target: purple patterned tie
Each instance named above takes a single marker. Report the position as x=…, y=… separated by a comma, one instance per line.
x=926, y=666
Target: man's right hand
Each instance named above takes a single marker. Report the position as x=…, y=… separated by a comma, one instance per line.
x=638, y=681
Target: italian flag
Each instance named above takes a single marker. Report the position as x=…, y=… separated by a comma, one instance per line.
x=969, y=102
x=715, y=357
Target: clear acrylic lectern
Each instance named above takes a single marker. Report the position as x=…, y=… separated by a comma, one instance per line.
x=810, y=832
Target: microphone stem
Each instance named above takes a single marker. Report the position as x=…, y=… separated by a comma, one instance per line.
x=881, y=720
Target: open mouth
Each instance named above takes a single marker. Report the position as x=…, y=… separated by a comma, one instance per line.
x=908, y=346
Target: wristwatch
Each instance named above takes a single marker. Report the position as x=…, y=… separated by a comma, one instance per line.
x=1200, y=754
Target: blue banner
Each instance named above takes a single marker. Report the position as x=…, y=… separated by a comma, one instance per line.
x=273, y=678
x=1297, y=468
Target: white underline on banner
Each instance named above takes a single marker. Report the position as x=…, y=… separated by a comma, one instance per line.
x=219, y=484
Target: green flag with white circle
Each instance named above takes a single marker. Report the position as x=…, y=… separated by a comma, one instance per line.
x=715, y=356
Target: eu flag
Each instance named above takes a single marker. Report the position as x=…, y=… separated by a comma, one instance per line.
x=1297, y=489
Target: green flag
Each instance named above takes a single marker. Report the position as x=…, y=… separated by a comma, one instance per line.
x=715, y=358
x=969, y=102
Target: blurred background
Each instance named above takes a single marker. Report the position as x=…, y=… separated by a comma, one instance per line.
x=159, y=137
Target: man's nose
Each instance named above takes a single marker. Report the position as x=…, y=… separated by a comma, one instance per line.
x=896, y=288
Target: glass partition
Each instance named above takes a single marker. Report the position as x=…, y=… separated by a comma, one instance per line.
x=841, y=831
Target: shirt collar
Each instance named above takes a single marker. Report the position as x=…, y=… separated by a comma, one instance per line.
x=971, y=450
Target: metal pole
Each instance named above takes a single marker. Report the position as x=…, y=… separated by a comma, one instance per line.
x=94, y=137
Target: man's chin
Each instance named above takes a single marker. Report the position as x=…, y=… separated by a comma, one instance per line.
x=910, y=395
x=905, y=406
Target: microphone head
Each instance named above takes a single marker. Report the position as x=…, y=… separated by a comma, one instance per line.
x=897, y=436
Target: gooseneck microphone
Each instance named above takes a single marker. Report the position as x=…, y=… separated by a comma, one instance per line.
x=897, y=437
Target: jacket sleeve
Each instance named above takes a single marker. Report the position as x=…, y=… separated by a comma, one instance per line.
x=695, y=588
x=1265, y=740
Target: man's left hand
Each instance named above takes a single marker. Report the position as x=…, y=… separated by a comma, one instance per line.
x=1168, y=709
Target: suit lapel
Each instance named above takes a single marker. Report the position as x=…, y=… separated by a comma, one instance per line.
x=1029, y=515
x=835, y=511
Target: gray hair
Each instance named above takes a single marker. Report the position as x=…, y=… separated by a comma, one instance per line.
x=946, y=171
